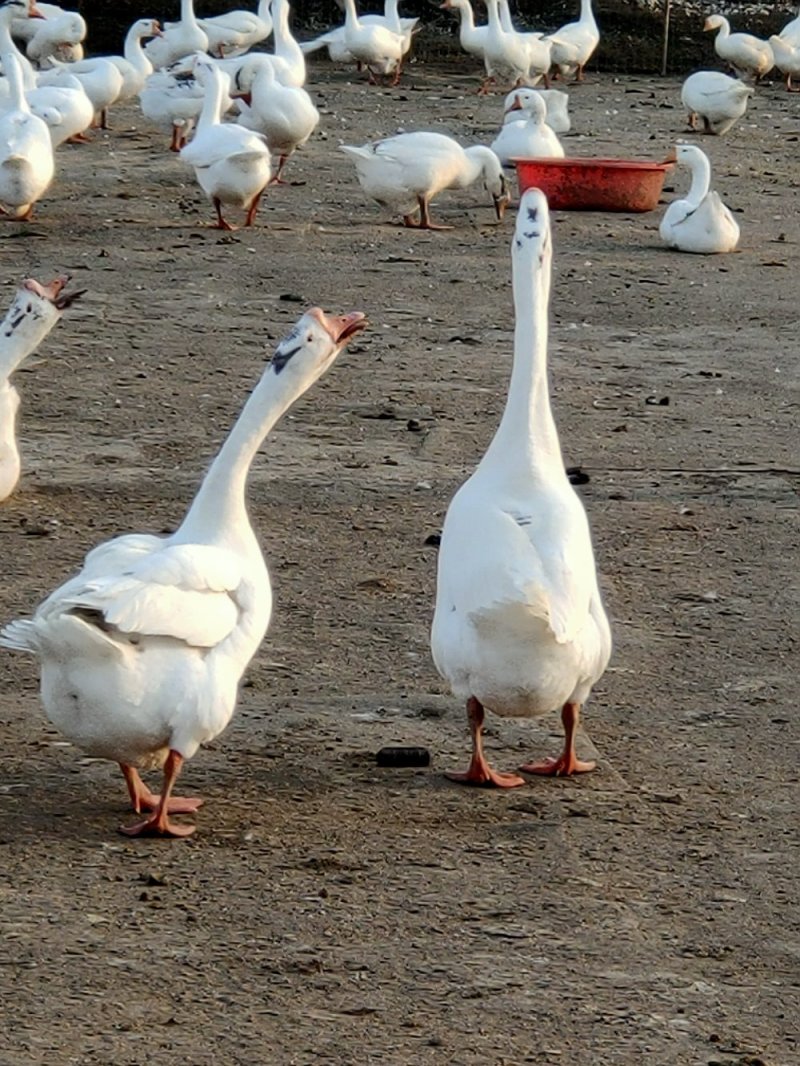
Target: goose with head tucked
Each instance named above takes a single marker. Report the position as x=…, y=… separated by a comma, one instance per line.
x=142, y=651
x=528, y=138
x=178, y=39
x=405, y=172
x=60, y=38
x=231, y=163
x=556, y=104
x=234, y=32
x=27, y=166
x=716, y=98
x=284, y=114
x=519, y=627
x=748, y=56
x=101, y=80
x=35, y=310
x=575, y=44
x=699, y=222
x=23, y=27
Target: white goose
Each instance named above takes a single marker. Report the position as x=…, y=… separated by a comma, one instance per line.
x=700, y=222
x=234, y=32
x=405, y=173
x=472, y=38
x=173, y=99
x=556, y=104
x=791, y=31
x=786, y=53
x=101, y=80
x=61, y=37
x=65, y=108
x=34, y=312
x=179, y=39
x=133, y=65
x=513, y=57
x=519, y=627
x=575, y=43
x=749, y=56
x=24, y=26
x=528, y=138
x=142, y=651
x=284, y=114
x=231, y=163
x=716, y=98
x=380, y=49
x=334, y=40
x=26, y=150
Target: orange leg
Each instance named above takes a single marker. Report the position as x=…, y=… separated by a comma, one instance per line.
x=158, y=824
x=479, y=772
x=425, y=216
x=142, y=799
x=277, y=179
x=567, y=762
x=175, y=143
x=221, y=223
x=251, y=214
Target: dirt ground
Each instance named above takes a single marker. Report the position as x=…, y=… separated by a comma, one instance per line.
x=327, y=910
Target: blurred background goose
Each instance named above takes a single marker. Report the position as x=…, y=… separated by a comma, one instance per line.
x=530, y=137
x=575, y=44
x=234, y=32
x=178, y=39
x=556, y=105
x=27, y=166
x=33, y=313
x=749, y=56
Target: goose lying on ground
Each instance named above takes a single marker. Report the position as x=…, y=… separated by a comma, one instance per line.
x=529, y=137
x=519, y=627
x=699, y=222
x=556, y=103
x=142, y=651
x=34, y=312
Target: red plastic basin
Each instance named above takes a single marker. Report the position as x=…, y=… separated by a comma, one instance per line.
x=594, y=184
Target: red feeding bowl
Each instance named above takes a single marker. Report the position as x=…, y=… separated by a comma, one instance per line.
x=594, y=184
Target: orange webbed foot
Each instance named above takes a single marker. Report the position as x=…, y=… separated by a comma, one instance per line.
x=563, y=766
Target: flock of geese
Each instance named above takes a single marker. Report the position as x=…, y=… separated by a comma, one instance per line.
x=142, y=651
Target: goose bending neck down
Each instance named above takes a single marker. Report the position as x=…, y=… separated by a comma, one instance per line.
x=142, y=651
x=519, y=627
x=34, y=312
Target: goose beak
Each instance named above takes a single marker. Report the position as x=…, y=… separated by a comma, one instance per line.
x=34, y=12
x=706, y=25
x=156, y=29
x=54, y=291
x=515, y=106
x=340, y=327
x=500, y=204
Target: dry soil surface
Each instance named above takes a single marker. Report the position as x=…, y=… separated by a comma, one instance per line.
x=327, y=910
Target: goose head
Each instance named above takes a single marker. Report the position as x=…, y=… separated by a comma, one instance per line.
x=494, y=180
x=315, y=340
x=528, y=102
x=19, y=9
x=715, y=22
x=146, y=28
x=34, y=312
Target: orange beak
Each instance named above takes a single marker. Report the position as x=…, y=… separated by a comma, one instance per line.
x=33, y=11
x=340, y=327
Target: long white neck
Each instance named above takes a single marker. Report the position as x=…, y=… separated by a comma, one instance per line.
x=505, y=17
x=350, y=14
x=285, y=45
x=724, y=28
x=12, y=69
x=9, y=452
x=8, y=44
x=263, y=11
x=134, y=52
x=587, y=15
x=219, y=509
x=701, y=178
x=187, y=13
x=475, y=160
x=391, y=14
x=527, y=438
x=466, y=15
x=493, y=13
x=211, y=112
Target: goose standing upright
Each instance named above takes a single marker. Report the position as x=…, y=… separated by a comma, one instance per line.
x=334, y=40
x=133, y=64
x=575, y=44
x=786, y=53
x=519, y=627
x=234, y=32
x=380, y=49
x=699, y=222
x=231, y=163
x=472, y=38
x=34, y=312
x=284, y=114
x=142, y=651
x=27, y=166
x=748, y=56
